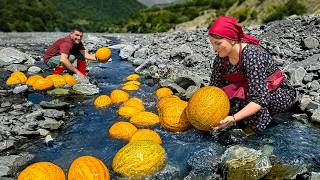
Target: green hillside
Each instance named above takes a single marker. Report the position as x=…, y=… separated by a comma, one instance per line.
x=59, y=15
x=96, y=15
x=247, y=11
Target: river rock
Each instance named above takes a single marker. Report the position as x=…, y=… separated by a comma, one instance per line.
x=85, y=89
x=13, y=56
x=245, y=163
x=55, y=104
x=285, y=171
x=16, y=67
x=58, y=92
x=34, y=70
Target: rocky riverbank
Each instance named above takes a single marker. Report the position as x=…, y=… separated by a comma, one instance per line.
x=180, y=60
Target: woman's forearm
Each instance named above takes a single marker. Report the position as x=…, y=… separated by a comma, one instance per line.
x=247, y=111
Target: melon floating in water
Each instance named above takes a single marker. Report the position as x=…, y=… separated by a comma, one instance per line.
x=133, y=77
x=207, y=107
x=42, y=171
x=173, y=117
x=139, y=158
x=122, y=130
x=146, y=134
x=144, y=119
x=102, y=101
x=119, y=96
x=88, y=168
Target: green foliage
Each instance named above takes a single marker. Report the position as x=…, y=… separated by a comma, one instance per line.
x=52, y=15
x=290, y=8
x=29, y=15
x=96, y=15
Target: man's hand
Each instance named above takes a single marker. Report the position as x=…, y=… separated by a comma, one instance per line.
x=224, y=123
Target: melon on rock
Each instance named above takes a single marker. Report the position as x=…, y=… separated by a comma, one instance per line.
x=119, y=96
x=42, y=171
x=13, y=80
x=146, y=134
x=70, y=80
x=133, y=77
x=163, y=92
x=102, y=101
x=135, y=102
x=32, y=79
x=58, y=80
x=173, y=116
x=42, y=84
x=23, y=78
x=207, y=107
x=144, y=119
x=128, y=111
x=88, y=168
x=122, y=130
x=138, y=159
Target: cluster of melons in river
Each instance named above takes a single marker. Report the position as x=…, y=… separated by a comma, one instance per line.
x=143, y=155
x=132, y=84
x=38, y=82
x=82, y=168
x=171, y=110
x=206, y=107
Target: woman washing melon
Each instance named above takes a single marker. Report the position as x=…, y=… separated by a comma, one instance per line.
x=256, y=87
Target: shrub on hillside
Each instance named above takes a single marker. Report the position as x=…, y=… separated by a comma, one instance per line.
x=290, y=8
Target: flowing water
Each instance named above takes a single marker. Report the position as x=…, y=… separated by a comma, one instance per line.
x=88, y=132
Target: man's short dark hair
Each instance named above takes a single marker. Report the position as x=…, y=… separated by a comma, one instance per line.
x=76, y=28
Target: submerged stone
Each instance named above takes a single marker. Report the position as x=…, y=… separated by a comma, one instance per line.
x=85, y=89
x=285, y=171
x=242, y=163
x=58, y=91
x=54, y=104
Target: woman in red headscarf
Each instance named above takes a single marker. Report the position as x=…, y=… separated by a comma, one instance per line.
x=256, y=87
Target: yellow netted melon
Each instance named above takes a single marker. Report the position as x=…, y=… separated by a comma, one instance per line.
x=166, y=100
x=23, y=78
x=119, y=96
x=132, y=82
x=122, y=130
x=135, y=102
x=139, y=158
x=13, y=80
x=88, y=168
x=133, y=77
x=144, y=119
x=32, y=79
x=173, y=117
x=128, y=111
x=42, y=171
x=146, y=134
x=163, y=92
x=207, y=107
x=70, y=80
x=103, y=54
x=42, y=84
x=102, y=101
x=51, y=76
x=130, y=87
x=58, y=80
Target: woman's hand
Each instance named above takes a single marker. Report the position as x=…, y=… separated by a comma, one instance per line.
x=224, y=123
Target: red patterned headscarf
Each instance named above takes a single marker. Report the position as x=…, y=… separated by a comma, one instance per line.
x=229, y=28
